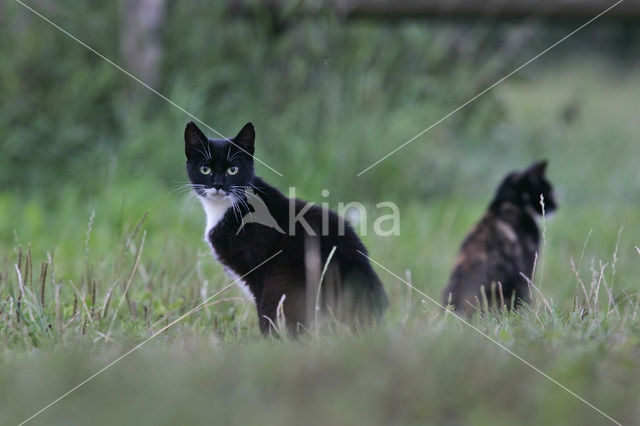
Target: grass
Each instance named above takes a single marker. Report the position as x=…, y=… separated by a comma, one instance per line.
x=420, y=367
x=125, y=259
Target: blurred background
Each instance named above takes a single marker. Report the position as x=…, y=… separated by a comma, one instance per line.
x=331, y=88
x=100, y=244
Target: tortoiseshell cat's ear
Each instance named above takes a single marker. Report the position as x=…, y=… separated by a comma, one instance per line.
x=246, y=138
x=537, y=170
x=194, y=140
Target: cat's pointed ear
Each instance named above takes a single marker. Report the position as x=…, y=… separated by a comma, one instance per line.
x=194, y=140
x=537, y=169
x=246, y=138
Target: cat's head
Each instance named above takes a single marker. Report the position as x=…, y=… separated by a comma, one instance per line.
x=218, y=168
x=525, y=187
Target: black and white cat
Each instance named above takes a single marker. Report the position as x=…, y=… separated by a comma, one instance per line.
x=503, y=245
x=248, y=221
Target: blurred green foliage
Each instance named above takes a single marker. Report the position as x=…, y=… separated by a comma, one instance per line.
x=328, y=98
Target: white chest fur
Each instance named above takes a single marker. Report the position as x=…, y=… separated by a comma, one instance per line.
x=215, y=211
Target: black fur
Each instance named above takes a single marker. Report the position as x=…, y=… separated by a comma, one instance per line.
x=351, y=291
x=502, y=245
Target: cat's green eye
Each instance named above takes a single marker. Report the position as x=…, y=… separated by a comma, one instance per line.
x=205, y=170
x=232, y=170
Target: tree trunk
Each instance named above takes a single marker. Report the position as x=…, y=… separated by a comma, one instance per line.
x=140, y=40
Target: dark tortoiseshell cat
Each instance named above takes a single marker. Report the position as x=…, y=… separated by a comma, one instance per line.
x=250, y=221
x=502, y=245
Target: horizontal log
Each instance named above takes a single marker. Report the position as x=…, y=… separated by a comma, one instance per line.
x=553, y=9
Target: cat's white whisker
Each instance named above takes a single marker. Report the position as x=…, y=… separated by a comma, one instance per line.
x=185, y=187
x=239, y=201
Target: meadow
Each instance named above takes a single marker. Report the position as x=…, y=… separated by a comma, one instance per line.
x=101, y=245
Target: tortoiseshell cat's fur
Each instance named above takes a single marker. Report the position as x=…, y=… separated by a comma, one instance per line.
x=502, y=245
